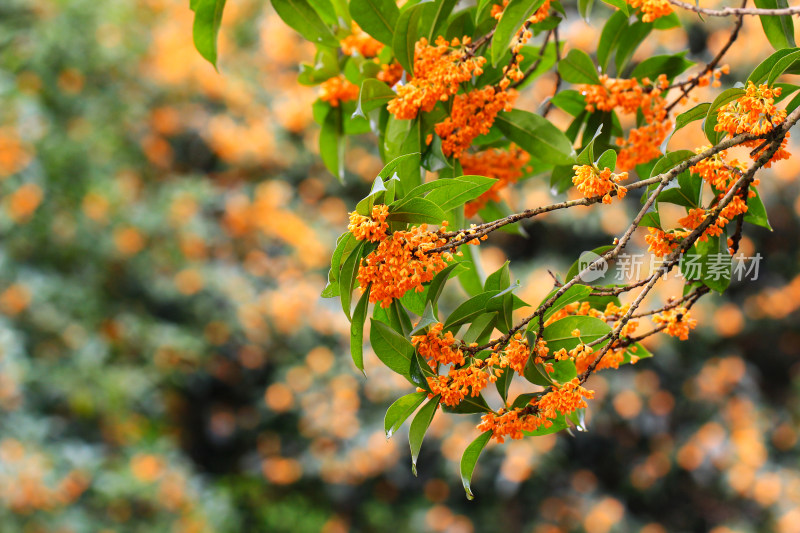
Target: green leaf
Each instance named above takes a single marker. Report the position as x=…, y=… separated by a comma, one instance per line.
x=622, y=5
x=416, y=211
x=438, y=281
x=723, y=98
x=514, y=16
x=779, y=30
x=608, y=159
x=708, y=262
x=344, y=244
x=585, y=8
x=357, y=331
x=207, y=19
x=698, y=112
x=373, y=94
x=419, y=426
x=332, y=143
x=394, y=350
x=762, y=71
x=469, y=405
x=400, y=410
x=537, y=136
x=439, y=17
x=756, y=212
x=781, y=66
x=348, y=278
x=578, y=67
x=468, y=310
x=326, y=66
x=470, y=457
x=376, y=17
x=558, y=335
x=570, y=101
x=471, y=278
x=301, y=16
x=428, y=318
x=629, y=42
x=406, y=36
x=576, y=293
x=459, y=191
x=499, y=280
x=613, y=30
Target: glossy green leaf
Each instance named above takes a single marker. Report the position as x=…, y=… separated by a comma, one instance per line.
x=778, y=29
x=761, y=73
x=344, y=244
x=419, y=426
x=301, y=16
x=400, y=410
x=459, y=191
x=468, y=310
x=406, y=35
x=608, y=159
x=670, y=65
x=514, y=16
x=348, y=276
x=578, y=67
x=756, y=212
x=698, y=112
x=470, y=457
x=332, y=143
x=631, y=38
x=376, y=17
x=781, y=66
x=207, y=19
x=537, y=136
x=394, y=350
x=613, y=30
x=357, y=331
x=416, y=211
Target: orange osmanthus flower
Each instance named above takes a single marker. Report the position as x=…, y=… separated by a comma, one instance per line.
x=506, y=166
x=361, y=43
x=651, y=9
x=372, y=228
x=439, y=71
x=337, y=89
x=438, y=348
x=678, y=322
x=591, y=182
x=401, y=263
x=458, y=384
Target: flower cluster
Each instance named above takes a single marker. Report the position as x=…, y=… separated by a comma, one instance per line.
x=337, y=89
x=438, y=72
x=538, y=16
x=755, y=113
x=372, y=228
x=506, y=166
x=390, y=74
x=561, y=400
x=678, y=322
x=517, y=353
x=592, y=182
x=438, y=348
x=651, y=9
x=511, y=423
x=361, y=43
x=472, y=114
x=663, y=243
x=458, y=384
x=630, y=96
x=401, y=263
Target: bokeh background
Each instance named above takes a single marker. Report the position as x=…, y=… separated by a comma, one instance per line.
x=166, y=363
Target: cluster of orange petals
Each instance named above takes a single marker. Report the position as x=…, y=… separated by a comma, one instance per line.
x=663, y=243
x=506, y=166
x=438, y=72
x=629, y=96
x=372, y=228
x=678, y=322
x=538, y=16
x=755, y=113
x=458, y=384
x=473, y=114
x=401, y=263
x=651, y=9
x=561, y=400
x=391, y=73
x=438, y=348
x=361, y=43
x=591, y=182
x=337, y=89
